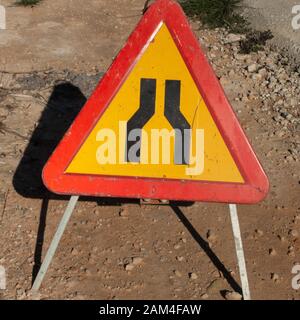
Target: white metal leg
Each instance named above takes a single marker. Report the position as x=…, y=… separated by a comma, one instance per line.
x=239, y=251
x=54, y=244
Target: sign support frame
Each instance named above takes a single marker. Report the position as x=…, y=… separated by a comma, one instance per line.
x=55, y=242
x=70, y=209
x=239, y=251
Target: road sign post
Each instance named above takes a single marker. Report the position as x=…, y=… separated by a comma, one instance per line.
x=67, y=215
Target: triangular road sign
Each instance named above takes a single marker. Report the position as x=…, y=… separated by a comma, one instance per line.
x=158, y=126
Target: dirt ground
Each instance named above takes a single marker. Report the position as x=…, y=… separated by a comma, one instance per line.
x=65, y=34
x=182, y=251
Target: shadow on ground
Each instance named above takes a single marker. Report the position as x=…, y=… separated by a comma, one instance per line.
x=64, y=104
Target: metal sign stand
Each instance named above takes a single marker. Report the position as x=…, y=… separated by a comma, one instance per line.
x=239, y=251
x=68, y=213
x=54, y=244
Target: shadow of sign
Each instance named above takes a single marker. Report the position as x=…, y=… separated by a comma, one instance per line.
x=63, y=105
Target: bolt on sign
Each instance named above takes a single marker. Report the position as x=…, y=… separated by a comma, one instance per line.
x=158, y=126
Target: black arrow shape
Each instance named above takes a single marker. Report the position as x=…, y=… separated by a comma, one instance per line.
x=140, y=118
x=177, y=121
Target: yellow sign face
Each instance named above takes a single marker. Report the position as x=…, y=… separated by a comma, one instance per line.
x=158, y=84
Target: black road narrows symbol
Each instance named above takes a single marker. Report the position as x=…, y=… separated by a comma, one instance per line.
x=146, y=112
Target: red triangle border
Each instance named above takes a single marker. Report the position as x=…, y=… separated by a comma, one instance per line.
x=256, y=184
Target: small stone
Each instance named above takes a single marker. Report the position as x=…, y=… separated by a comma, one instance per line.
x=297, y=218
x=129, y=267
x=252, y=68
x=88, y=272
x=294, y=233
x=123, y=212
x=257, y=77
x=241, y=57
x=193, y=276
x=231, y=38
x=204, y=296
x=272, y=252
x=211, y=236
x=259, y=232
x=291, y=253
x=263, y=72
x=74, y=252
x=20, y=291
x=289, y=158
x=274, y=277
x=177, y=273
x=180, y=259
x=231, y=295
